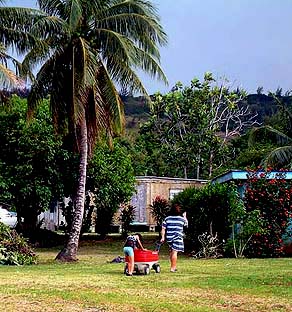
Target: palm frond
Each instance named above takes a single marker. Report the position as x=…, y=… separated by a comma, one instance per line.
x=260, y=133
x=9, y=79
x=135, y=27
x=53, y=7
x=15, y=28
x=140, y=8
x=148, y=64
x=51, y=27
x=279, y=157
x=127, y=55
x=76, y=16
x=110, y=96
x=40, y=86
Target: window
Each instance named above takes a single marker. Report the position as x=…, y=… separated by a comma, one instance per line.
x=173, y=192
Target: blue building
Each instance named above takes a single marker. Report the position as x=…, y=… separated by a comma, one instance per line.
x=240, y=176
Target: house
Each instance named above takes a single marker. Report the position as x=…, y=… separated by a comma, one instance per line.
x=148, y=187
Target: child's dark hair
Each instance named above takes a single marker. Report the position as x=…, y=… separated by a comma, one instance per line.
x=175, y=210
x=140, y=236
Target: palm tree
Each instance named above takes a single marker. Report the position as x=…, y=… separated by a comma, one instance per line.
x=85, y=49
x=278, y=157
x=8, y=78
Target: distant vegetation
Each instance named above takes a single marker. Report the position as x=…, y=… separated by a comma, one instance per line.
x=137, y=109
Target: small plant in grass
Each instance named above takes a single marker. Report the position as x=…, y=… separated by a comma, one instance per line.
x=210, y=246
x=14, y=249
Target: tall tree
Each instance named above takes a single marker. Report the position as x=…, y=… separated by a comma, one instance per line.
x=194, y=124
x=85, y=49
x=30, y=163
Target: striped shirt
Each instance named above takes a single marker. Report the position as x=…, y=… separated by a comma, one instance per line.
x=174, y=226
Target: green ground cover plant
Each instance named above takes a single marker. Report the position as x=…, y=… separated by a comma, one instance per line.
x=14, y=249
x=94, y=284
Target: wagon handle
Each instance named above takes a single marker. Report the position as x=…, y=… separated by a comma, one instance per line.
x=158, y=246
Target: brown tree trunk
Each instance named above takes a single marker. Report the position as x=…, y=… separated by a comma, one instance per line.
x=69, y=252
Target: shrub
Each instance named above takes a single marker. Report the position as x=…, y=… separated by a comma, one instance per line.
x=271, y=194
x=126, y=218
x=207, y=211
x=159, y=209
x=14, y=249
x=244, y=224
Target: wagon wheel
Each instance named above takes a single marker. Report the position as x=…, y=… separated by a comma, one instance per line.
x=157, y=268
x=146, y=270
x=126, y=269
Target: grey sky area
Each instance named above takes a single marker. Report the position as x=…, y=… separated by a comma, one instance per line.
x=247, y=41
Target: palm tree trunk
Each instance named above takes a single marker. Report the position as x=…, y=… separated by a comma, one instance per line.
x=69, y=252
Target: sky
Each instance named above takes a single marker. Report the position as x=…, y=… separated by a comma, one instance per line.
x=248, y=42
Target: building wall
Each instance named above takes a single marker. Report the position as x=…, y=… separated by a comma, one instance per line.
x=147, y=188
x=150, y=187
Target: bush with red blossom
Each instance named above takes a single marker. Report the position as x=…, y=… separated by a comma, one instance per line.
x=270, y=193
x=159, y=209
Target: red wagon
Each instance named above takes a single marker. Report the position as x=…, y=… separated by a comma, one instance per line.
x=144, y=261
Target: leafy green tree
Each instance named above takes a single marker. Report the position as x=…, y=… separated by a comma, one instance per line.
x=29, y=170
x=192, y=126
x=84, y=48
x=111, y=181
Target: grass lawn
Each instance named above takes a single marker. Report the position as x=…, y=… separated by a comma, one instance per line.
x=93, y=284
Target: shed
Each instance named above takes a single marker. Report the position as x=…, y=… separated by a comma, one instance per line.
x=148, y=187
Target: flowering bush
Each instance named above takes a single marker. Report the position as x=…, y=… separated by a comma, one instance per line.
x=159, y=209
x=14, y=249
x=271, y=194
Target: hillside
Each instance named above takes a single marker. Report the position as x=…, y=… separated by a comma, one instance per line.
x=137, y=109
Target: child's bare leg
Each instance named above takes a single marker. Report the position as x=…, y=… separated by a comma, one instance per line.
x=131, y=265
x=173, y=260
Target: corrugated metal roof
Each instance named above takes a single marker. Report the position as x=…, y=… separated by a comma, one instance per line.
x=243, y=174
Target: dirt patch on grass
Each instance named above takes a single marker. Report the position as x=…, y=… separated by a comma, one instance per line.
x=19, y=303
x=212, y=299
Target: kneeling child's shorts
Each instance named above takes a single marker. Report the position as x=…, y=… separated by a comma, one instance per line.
x=128, y=251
